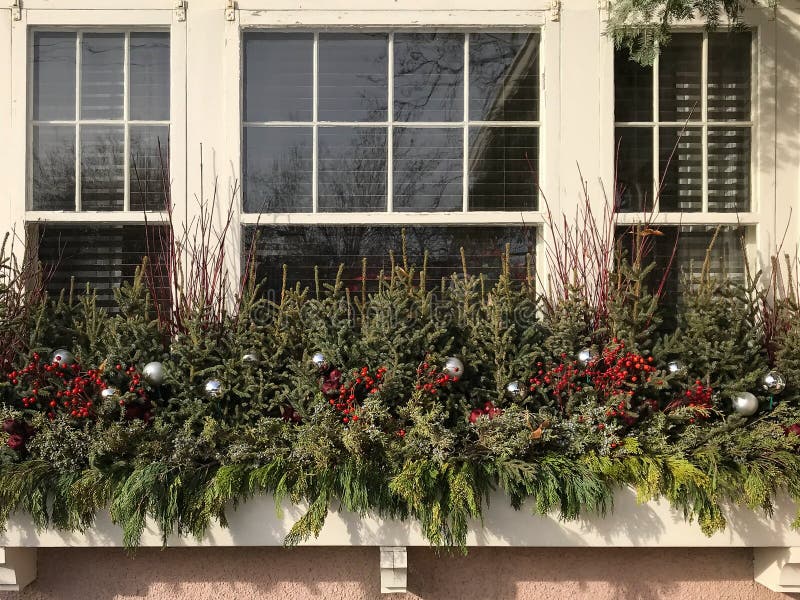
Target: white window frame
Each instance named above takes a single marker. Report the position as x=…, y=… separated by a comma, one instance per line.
x=99, y=16
x=384, y=17
x=125, y=121
x=765, y=221
x=390, y=125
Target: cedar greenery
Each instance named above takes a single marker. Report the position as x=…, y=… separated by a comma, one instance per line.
x=412, y=453
x=642, y=26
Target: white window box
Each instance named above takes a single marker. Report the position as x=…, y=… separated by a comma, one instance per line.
x=256, y=523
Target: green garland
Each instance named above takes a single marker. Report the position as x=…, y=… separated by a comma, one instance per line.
x=381, y=426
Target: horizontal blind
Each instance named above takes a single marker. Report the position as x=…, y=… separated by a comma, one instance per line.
x=102, y=256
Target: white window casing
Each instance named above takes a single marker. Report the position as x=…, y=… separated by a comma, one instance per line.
x=576, y=117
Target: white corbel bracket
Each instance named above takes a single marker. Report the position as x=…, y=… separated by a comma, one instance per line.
x=394, y=569
x=17, y=568
x=777, y=568
x=16, y=10
x=180, y=10
x=555, y=10
x=230, y=10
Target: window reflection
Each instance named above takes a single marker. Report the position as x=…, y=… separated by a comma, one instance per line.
x=503, y=77
x=352, y=169
x=428, y=77
x=301, y=248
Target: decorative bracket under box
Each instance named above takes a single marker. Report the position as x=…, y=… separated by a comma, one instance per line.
x=256, y=523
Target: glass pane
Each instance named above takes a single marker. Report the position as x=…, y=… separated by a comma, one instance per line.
x=503, y=77
x=278, y=76
x=634, y=180
x=277, y=169
x=428, y=169
x=728, y=169
x=682, y=250
x=302, y=248
x=102, y=80
x=149, y=77
x=149, y=168
x=102, y=167
x=679, y=78
x=503, y=168
x=352, y=169
x=53, y=166
x=633, y=89
x=681, y=169
x=104, y=256
x=54, y=76
x=353, y=77
x=428, y=77
x=729, y=66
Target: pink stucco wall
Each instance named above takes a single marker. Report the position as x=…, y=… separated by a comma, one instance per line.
x=352, y=574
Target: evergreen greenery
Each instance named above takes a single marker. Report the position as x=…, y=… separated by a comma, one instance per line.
x=416, y=445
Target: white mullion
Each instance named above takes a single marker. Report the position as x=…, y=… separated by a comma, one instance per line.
x=126, y=152
x=704, y=117
x=655, y=143
x=390, y=128
x=315, y=127
x=465, y=124
x=78, y=51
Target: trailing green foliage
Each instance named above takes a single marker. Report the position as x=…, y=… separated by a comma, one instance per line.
x=380, y=429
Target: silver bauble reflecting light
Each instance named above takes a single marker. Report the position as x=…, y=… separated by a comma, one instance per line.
x=153, y=373
x=675, y=366
x=453, y=367
x=745, y=403
x=319, y=361
x=251, y=358
x=585, y=356
x=773, y=382
x=516, y=391
x=63, y=358
x=214, y=388
x=109, y=392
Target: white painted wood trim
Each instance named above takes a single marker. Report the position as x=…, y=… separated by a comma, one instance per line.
x=255, y=523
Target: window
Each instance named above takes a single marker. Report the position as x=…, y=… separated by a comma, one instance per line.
x=99, y=143
x=102, y=256
x=99, y=120
x=683, y=126
x=302, y=248
x=390, y=122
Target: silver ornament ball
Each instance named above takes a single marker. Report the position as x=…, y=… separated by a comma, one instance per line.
x=675, y=366
x=585, y=356
x=516, y=390
x=214, y=388
x=109, y=392
x=251, y=358
x=453, y=367
x=63, y=358
x=319, y=361
x=745, y=404
x=153, y=373
x=773, y=382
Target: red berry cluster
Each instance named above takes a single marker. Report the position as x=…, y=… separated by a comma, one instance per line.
x=352, y=394
x=616, y=372
x=619, y=371
x=557, y=380
x=57, y=386
x=489, y=410
x=697, y=397
x=430, y=379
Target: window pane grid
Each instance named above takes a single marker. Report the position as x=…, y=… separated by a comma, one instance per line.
x=391, y=125
x=102, y=91
x=724, y=170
